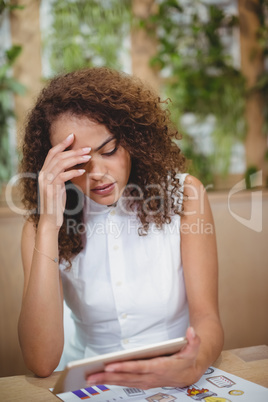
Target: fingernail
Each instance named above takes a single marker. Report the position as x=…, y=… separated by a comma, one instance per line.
x=69, y=136
x=192, y=332
x=86, y=149
x=82, y=171
x=86, y=157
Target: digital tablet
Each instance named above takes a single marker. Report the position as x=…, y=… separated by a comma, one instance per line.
x=75, y=373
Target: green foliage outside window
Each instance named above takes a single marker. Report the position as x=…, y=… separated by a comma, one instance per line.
x=199, y=74
x=87, y=33
x=262, y=82
x=8, y=87
x=201, y=78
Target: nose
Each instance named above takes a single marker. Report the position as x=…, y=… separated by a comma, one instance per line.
x=97, y=168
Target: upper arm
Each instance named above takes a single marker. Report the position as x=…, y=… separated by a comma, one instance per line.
x=199, y=251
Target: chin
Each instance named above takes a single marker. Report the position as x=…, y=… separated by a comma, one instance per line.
x=109, y=200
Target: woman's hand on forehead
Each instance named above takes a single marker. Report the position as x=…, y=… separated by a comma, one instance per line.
x=110, y=141
x=58, y=168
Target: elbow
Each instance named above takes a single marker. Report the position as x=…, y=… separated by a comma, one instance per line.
x=41, y=368
x=42, y=371
x=40, y=363
x=41, y=360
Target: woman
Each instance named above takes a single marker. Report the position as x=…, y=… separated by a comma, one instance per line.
x=134, y=236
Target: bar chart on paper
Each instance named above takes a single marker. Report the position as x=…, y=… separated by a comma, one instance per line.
x=91, y=391
x=101, y=393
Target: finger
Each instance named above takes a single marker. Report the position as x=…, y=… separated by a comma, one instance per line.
x=62, y=178
x=72, y=153
x=63, y=165
x=66, y=176
x=123, y=379
x=137, y=366
x=66, y=164
x=192, y=347
x=68, y=158
x=59, y=148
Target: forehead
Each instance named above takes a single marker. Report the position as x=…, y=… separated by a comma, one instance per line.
x=86, y=132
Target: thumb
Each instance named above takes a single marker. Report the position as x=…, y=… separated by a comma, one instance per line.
x=193, y=344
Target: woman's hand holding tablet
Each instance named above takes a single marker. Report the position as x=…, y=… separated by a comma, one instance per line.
x=76, y=373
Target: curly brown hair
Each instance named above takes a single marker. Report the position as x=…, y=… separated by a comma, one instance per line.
x=137, y=118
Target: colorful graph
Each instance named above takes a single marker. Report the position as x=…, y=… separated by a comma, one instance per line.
x=102, y=387
x=81, y=394
x=91, y=391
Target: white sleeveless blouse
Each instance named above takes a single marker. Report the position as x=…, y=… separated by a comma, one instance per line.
x=124, y=290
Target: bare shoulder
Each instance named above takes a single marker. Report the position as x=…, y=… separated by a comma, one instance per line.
x=192, y=185
x=195, y=196
x=189, y=179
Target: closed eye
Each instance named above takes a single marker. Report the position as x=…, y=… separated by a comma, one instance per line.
x=111, y=152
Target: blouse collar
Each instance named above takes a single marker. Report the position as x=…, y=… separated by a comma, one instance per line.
x=91, y=207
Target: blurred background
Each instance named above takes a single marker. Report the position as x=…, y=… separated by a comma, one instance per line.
x=210, y=57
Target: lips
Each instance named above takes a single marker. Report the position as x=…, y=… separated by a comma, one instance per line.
x=104, y=189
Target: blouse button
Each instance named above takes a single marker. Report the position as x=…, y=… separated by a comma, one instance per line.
x=119, y=283
x=112, y=212
x=116, y=247
x=125, y=341
x=124, y=316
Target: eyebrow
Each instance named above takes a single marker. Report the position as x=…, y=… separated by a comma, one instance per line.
x=104, y=143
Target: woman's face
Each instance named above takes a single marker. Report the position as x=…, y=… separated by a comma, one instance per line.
x=108, y=170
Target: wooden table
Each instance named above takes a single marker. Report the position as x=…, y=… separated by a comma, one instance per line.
x=248, y=363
